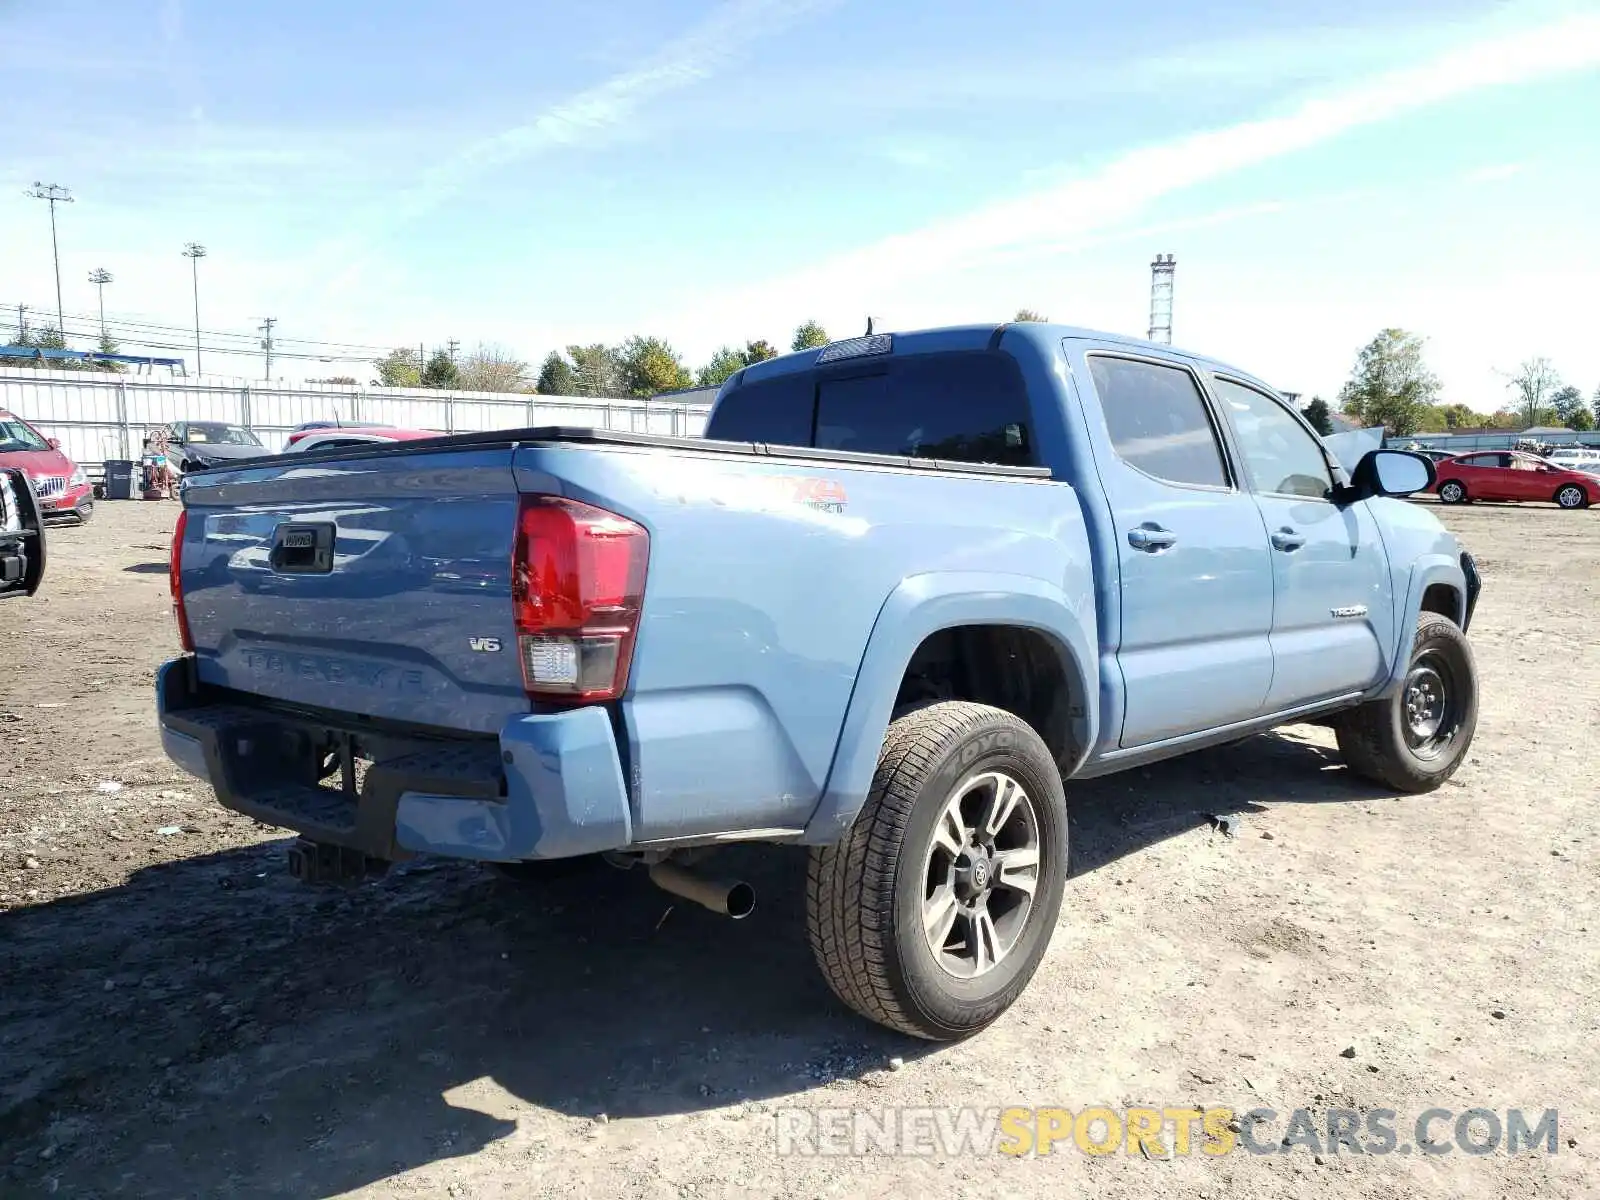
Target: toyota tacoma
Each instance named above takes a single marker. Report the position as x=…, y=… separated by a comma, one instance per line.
x=906, y=590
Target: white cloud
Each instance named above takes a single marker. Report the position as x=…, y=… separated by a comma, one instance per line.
x=579, y=119
x=869, y=277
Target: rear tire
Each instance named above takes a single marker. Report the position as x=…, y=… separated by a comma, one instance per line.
x=1416, y=739
x=1572, y=495
x=934, y=911
x=1452, y=492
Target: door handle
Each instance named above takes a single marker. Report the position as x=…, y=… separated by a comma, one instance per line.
x=1150, y=537
x=1287, y=540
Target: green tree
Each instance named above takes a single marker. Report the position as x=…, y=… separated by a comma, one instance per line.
x=493, y=369
x=1533, y=383
x=650, y=366
x=48, y=337
x=759, y=351
x=109, y=345
x=1390, y=385
x=1581, y=420
x=1459, y=416
x=400, y=368
x=596, y=371
x=440, y=372
x=809, y=336
x=723, y=364
x=1318, y=413
x=555, y=376
x=1567, y=401
x=1430, y=419
x=1027, y=314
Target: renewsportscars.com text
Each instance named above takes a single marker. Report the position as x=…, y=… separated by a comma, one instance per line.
x=1161, y=1132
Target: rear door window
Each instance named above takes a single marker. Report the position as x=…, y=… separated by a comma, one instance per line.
x=1158, y=421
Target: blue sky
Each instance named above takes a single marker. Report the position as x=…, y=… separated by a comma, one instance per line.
x=535, y=174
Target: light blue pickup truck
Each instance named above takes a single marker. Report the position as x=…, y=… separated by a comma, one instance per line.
x=906, y=587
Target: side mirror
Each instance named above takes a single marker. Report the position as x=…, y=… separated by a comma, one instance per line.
x=55, y=443
x=1388, y=473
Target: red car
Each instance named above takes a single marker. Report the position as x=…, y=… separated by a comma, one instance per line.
x=62, y=487
x=1511, y=475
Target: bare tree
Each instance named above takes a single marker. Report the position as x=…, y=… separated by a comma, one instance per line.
x=1534, y=381
x=492, y=368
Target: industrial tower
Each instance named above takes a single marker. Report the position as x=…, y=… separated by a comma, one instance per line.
x=1161, y=272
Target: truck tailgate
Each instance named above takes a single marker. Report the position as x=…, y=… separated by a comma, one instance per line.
x=378, y=586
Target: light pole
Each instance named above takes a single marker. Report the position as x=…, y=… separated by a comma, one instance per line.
x=54, y=193
x=100, y=277
x=194, y=252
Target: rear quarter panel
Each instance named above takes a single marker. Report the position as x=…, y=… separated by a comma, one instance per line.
x=766, y=581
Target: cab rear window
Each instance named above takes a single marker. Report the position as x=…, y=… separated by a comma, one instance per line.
x=967, y=407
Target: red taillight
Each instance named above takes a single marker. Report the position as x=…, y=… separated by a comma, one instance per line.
x=577, y=580
x=175, y=580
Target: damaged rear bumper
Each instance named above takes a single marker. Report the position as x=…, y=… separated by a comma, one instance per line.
x=549, y=786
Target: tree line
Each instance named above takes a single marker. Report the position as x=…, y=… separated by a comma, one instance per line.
x=1391, y=385
x=48, y=337
x=637, y=367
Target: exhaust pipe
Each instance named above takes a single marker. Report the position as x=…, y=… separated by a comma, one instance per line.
x=731, y=898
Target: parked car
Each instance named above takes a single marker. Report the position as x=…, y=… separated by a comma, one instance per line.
x=301, y=430
x=199, y=445
x=347, y=437
x=21, y=535
x=62, y=486
x=1512, y=475
x=906, y=586
x=1587, y=461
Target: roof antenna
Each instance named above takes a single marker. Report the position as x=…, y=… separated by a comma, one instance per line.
x=869, y=326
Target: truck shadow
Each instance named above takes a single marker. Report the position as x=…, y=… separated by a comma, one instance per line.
x=212, y=1028
x=1121, y=814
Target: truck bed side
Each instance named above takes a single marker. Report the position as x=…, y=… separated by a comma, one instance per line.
x=767, y=581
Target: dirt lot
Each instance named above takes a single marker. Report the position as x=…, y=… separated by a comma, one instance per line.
x=178, y=1018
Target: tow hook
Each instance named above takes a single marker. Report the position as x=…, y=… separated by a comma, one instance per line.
x=320, y=862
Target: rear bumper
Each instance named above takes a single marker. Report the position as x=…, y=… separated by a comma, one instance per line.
x=550, y=785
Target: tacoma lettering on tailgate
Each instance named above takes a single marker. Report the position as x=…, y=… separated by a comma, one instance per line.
x=334, y=670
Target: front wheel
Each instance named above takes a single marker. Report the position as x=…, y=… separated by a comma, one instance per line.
x=1416, y=739
x=1571, y=495
x=934, y=911
x=1452, y=492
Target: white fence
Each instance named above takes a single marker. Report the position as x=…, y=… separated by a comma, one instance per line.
x=99, y=416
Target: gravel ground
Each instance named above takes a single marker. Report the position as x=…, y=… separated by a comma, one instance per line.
x=179, y=1018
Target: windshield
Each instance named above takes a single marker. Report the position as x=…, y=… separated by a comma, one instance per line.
x=14, y=435
x=224, y=435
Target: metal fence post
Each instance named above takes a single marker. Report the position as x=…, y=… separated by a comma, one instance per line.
x=244, y=408
x=123, y=432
